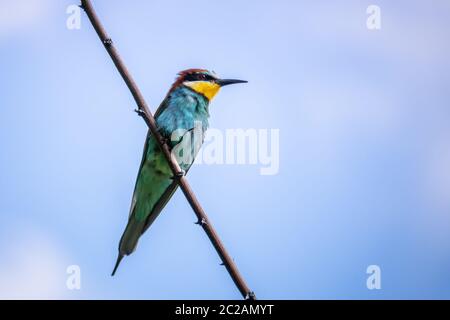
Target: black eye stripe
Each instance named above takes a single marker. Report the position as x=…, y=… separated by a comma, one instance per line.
x=198, y=77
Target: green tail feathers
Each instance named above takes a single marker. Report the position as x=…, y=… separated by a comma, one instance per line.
x=119, y=258
x=129, y=239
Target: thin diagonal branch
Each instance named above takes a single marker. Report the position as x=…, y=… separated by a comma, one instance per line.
x=144, y=111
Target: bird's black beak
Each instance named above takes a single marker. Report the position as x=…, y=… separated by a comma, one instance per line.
x=226, y=82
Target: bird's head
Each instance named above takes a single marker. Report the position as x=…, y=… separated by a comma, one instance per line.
x=203, y=82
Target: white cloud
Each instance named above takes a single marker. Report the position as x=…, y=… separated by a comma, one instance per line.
x=438, y=173
x=408, y=34
x=434, y=221
x=19, y=15
x=32, y=267
x=348, y=107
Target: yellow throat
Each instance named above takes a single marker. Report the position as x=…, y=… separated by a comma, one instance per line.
x=206, y=88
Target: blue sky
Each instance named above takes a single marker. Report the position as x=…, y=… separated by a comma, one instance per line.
x=364, y=174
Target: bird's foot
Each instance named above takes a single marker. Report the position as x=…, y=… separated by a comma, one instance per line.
x=165, y=141
x=178, y=175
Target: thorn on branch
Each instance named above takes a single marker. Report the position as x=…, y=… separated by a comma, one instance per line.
x=250, y=296
x=107, y=42
x=223, y=263
x=140, y=112
x=201, y=222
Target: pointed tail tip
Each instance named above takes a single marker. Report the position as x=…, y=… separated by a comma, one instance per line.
x=119, y=258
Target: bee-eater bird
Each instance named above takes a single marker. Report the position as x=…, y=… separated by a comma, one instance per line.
x=185, y=106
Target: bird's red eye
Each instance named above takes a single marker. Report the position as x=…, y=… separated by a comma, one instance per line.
x=202, y=77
